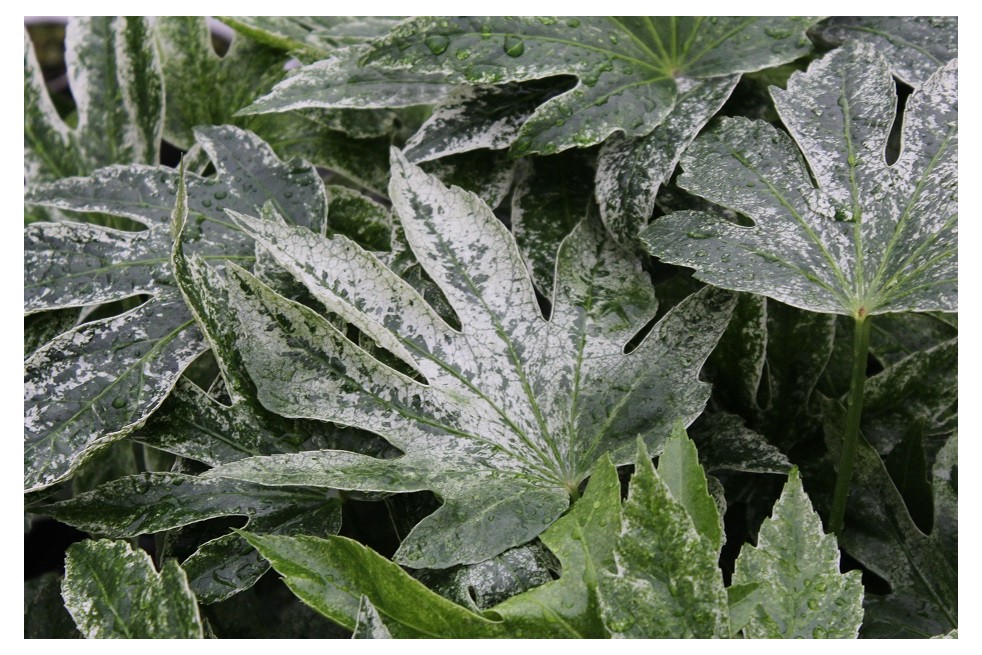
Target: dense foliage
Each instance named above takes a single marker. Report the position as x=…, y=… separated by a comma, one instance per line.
x=408, y=310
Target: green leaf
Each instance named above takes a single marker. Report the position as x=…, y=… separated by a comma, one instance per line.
x=802, y=593
x=203, y=88
x=113, y=591
x=315, y=36
x=517, y=410
x=667, y=583
x=333, y=575
x=729, y=445
x=551, y=196
x=583, y=540
x=921, y=568
x=679, y=469
x=631, y=171
x=914, y=46
x=45, y=616
x=100, y=381
x=629, y=69
x=369, y=624
x=115, y=78
x=871, y=238
x=482, y=585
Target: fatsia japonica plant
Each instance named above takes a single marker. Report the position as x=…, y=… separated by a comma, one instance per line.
x=491, y=327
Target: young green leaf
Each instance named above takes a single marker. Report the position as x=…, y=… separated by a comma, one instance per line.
x=871, y=238
x=517, y=410
x=683, y=475
x=313, y=36
x=113, y=591
x=667, y=583
x=914, y=46
x=628, y=68
x=802, y=593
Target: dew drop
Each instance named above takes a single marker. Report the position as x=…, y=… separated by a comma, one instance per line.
x=119, y=403
x=821, y=586
x=573, y=22
x=514, y=46
x=820, y=633
x=220, y=195
x=813, y=604
x=206, y=202
x=437, y=43
x=462, y=54
x=699, y=235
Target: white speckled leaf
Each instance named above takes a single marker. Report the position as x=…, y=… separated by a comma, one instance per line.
x=630, y=171
x=482, y=116
x=101, y=380
x=113, y=592
x=94, y=384
x=871, y=238
x=516, y=411
x=116, y=83
x=914, y=46
x=369, y=624
x=667, y=583
x=628, y=68
x=802, y=592
x=340, y=83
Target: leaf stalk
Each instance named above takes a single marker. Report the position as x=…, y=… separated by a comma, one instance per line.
x=850, y=437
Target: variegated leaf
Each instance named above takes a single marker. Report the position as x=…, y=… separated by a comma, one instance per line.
x=101, y=380
x=630, y=171
x=914, y=46
x=667, y=583
x=116, y=83
x=628, y=68
x=517, y=410
x=871, y=238
x=369, y=624
x=313, y=36
x=113, y=591
x=802, y=592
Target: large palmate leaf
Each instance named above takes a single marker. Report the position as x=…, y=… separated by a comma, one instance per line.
x=628, y=68
x=99, y=381
x=802, y=593
x=871, y=238
x=516, y=410
x=113, y=591
x=914, y=46
x=117, y=86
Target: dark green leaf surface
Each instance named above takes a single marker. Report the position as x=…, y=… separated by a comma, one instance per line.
x=922, y=569
x=914, y=46
x=628, y=68
x=45, y=616
x=871, y=238
x=667, y=583
x=113, y=591
x=518, y=409
x=802, y=593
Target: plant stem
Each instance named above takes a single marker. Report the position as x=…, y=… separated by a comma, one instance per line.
x=850, y=438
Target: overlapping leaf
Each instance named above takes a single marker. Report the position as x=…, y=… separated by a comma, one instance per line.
x=117, y=86
x=516, y=410
x=627, y=68
x=802, y=592
x=870, y=238
x=99, y=381
x=113, y=591
x=914, y=46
